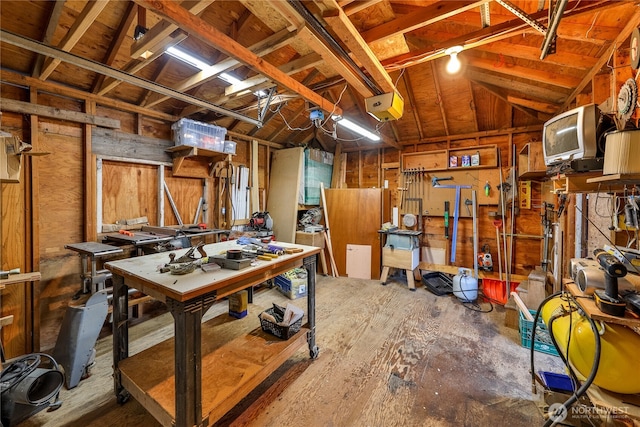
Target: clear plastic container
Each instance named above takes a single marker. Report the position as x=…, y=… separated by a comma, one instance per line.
x=198, y=134
x=230, y=147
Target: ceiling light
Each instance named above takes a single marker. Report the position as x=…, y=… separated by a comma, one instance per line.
x=453, y=66
x=355, y=128
x=187, y=58
x=231, y=79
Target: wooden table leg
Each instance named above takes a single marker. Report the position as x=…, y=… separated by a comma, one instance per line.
x=384, y=275
x=410, y=280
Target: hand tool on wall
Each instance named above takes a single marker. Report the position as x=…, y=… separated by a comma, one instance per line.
x=497, y=224
x=446, y=219
x=435, y=181
x=467, y=203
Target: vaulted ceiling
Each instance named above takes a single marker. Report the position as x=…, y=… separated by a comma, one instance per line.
x=522, y=61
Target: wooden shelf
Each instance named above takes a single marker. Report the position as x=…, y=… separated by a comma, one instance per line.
x=19, y=278
x=531, y=162
x=195, y=162
x=575, y=183
x=590, y=308
x=230, y=370
x=438, y=160
x=617, y=179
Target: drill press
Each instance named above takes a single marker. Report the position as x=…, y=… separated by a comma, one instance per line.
x=608, y=300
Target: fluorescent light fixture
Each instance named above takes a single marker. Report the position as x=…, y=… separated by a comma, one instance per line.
x=229, y=78
x=187, y=58
x=355, y=128
x=453, y=66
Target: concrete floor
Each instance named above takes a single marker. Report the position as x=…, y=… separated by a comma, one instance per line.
x=388, y=357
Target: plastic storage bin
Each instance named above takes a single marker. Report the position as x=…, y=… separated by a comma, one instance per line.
x=198, y=134
x=293, y=283
x=543, y=342
x=229, y=147
x=284, y=332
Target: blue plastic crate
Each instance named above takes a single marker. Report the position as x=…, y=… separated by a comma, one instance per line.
x=543, y=342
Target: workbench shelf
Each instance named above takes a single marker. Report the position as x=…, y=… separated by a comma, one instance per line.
x=439, y=160
x=230, y=369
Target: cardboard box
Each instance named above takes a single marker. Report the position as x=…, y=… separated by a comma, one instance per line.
x=238, y=303
x=293, y=283
x=310, y=239
x=621, y=152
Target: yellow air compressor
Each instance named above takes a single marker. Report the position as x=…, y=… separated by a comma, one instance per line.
x=618, y=370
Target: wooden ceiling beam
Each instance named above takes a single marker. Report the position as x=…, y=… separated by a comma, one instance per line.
x=308, y=37
x=56, y=113
x=116, y=43
x=541, y=76
x=290, y=68
x=263, y=47
x=632, y=23
x=412, y=102
x=543, y=94
x=425, y=16
x=544, y=107
x=136, y=65
x=215, y=38
x=443, y=112
x=30, y=82
x=52, y=24
x=486, y=35
x=153, y=39
x=360, y=51
x=353, y=7
x=530, y=53
x=501, y=94
x=82, y=23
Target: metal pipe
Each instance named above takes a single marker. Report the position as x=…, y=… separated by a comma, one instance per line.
x=553, y=27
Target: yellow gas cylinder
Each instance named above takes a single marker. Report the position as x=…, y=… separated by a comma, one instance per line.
x=619, y=370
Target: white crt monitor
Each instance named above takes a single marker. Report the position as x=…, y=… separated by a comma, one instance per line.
x=571, y=135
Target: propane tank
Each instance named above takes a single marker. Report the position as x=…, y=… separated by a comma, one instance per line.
x=465, y=287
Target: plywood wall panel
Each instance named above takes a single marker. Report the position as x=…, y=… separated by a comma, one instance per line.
x=370, y=169
x=186, y=193
x=129, y=191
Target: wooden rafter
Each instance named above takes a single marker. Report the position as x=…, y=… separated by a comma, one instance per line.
x=411, y=99
x=52, y=24
x=443, y=112
x=18, y=79
x=361, y=52
x=632, y=23
x=116, y=43
x=539, y=75
x=308, y=37
x=263, y=47
x=500, y=93
x=79, y=27
x=530, y=90
x=153, y=40
x=486, y=35
x=421, y=18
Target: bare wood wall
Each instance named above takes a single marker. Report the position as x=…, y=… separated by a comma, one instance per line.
x=63, y=209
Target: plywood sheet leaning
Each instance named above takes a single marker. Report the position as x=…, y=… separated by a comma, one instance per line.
x=284, y=182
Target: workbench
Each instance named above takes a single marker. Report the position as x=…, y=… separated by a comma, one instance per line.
x=204, y=382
